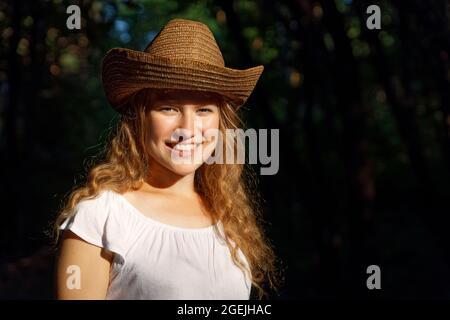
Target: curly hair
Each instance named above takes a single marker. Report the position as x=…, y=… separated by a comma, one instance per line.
x=229, y=190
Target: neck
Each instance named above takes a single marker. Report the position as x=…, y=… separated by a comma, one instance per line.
x=161, y=179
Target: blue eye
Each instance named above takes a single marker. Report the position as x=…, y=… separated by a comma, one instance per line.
x=205, y=110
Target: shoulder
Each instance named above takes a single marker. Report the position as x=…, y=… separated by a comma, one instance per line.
x=97, y=211
x=103, y=204
x=98, y=221
x=101, y=199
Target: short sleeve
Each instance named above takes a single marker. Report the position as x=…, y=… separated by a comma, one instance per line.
x=97, y=221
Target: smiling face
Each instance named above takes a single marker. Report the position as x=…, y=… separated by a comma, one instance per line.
x=179, y=127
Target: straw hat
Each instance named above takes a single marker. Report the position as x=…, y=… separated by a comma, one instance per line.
x=184, y=55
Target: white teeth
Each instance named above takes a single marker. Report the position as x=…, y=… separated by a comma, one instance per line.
x=185, y=147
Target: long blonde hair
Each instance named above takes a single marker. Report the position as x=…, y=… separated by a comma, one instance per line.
x=229, y=190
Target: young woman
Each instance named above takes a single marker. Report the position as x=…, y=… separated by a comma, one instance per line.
x=146, y=225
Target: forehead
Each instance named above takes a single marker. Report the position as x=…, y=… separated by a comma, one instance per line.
x=180, y=97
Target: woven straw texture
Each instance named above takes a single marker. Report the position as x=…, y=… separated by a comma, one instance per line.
x=184, y=55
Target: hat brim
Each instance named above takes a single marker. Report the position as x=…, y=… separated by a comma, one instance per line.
x=125, y=72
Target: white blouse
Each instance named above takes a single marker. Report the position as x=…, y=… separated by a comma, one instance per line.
x=158, y=261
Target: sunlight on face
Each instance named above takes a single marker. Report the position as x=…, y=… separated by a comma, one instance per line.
x=179, y=126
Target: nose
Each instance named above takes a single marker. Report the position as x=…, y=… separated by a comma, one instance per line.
x=187, y=121
x=188, y=126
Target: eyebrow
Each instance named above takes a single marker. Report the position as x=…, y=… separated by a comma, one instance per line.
x=173, y=102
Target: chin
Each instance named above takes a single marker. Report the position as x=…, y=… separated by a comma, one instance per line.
x=183, y=170
x=184, y=166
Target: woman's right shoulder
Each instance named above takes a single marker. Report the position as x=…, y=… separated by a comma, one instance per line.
x=103, y=199
x=98, y=221
x=96, y=198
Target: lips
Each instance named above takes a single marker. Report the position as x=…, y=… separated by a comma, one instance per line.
x=183, y=149
x=182, y=146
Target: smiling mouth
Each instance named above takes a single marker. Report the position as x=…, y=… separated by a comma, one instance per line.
x=182, y=146
x=183, y=149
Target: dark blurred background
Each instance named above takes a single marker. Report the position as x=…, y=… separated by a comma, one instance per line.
x=364, y=119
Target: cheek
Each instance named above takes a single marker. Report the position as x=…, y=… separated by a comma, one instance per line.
x=211, y=134
x=211, y=122
x=160, y=127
